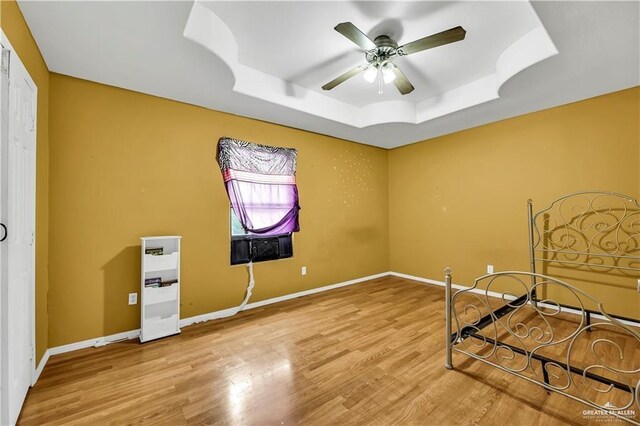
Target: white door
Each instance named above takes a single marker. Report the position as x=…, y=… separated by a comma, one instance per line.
x=4, y=109
x=18, y=214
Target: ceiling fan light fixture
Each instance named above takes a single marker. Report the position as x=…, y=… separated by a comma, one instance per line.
x=387, y=73
x=370, y=74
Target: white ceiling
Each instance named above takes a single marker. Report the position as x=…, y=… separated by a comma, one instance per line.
x=267, y=60
x=270, y=62
x=295, y=41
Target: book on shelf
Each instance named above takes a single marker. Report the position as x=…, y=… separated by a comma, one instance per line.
x=155, y=280
x=155, y=251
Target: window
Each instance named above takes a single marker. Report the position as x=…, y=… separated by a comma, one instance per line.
x=261, y=184
x=236, y=227
x=246, y=246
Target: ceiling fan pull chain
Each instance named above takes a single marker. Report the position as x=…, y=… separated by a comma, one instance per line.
x=380, y=82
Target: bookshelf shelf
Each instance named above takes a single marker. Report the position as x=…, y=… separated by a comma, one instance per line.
x=160, y=295
x=160, y=287
x=161, y=262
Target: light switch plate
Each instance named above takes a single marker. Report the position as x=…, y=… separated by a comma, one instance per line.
x=133, y=298
x=489, y=269
x=304, y=270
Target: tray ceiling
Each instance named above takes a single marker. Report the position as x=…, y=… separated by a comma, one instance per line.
x=294, y=44
x=269, y=59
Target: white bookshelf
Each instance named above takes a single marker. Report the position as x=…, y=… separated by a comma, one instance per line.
x=160, y=307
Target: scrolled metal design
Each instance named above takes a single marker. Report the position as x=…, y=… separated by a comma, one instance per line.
x=599, y=230
x=625, y=376
x=522, y=338
x=561, y=376
x=472, y=324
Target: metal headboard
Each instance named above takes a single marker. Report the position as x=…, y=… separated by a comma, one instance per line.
x=597, y=230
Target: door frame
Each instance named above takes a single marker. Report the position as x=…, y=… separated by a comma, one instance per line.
x=14, y=62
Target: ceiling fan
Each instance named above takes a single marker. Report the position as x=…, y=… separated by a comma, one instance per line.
x=380, y=53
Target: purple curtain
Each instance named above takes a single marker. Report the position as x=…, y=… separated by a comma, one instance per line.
x=261, y=184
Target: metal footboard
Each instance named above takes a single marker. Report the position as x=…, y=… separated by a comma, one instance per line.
x=500, y=321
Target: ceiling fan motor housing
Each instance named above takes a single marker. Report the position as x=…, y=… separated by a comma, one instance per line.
x=385, y=49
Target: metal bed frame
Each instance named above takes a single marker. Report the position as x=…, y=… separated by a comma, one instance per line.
x=593, y=230
x=588, y=230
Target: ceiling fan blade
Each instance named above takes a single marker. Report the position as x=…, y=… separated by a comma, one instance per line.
x=402, y=83
x=344, y=77
x=352, y=32
x=445, y=37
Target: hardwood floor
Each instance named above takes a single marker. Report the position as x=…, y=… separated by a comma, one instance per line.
x=370, y=353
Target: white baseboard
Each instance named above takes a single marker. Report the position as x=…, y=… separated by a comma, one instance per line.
x=41, y=364
x=230, y=311
x=96, y=342
x=500, y=295
x=441, y=284
x=185, y=322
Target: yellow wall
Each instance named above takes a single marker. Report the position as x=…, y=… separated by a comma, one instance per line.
x=460, y=200
x=125, y=165
x=19, y=35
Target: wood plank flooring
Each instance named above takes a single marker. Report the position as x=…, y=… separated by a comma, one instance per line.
x=370, y=353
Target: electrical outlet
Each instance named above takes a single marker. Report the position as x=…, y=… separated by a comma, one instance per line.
x=489, y=269
x=133, y=298
x=304, y=270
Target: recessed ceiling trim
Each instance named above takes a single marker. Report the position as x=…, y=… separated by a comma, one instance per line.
x=533, y=47
x=117, y=44
x=208, y=30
